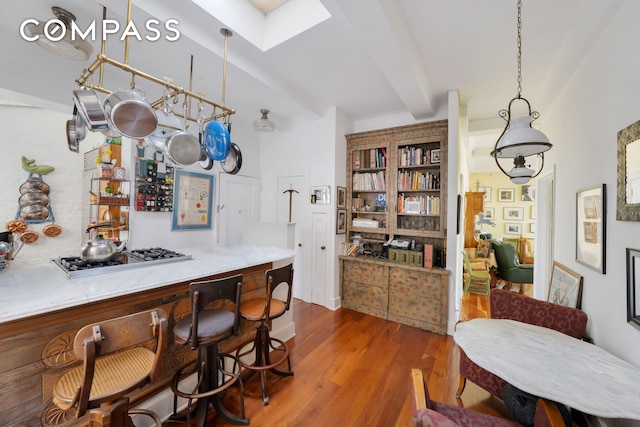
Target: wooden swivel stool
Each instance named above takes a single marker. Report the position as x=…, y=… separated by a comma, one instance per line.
x=269, y=352
x=203, y=331
x=119, y=356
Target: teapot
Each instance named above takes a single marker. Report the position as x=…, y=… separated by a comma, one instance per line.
x=100, y=249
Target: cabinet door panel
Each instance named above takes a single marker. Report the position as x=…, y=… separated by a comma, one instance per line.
x=371, y=274
x=415, y=282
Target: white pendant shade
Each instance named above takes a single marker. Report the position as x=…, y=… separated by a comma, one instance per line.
x=263, y=124
x=521, y=139
x=78, y=49
x=520, y=174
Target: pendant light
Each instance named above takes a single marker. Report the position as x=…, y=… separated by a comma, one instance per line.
x=66, y=45
x=518, y=139
x=263, y=124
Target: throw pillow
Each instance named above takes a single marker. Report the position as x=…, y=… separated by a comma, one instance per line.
x=483, y=249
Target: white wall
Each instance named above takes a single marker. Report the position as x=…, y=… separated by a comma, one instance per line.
x=599, y=100
x=41, y=134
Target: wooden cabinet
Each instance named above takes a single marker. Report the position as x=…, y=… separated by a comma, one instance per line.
x=396, y=184
x=473, y=204
x=413, y=296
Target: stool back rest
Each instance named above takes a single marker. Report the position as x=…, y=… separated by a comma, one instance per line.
x=112, y=335
x=275, y=278
x=207, y=292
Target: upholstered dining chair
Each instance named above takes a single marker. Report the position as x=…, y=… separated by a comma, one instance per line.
x=268, y=352
x=430, y=413
x=119, y=355
x=481, y=276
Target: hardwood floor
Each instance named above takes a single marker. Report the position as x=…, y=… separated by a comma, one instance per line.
x=352, y=369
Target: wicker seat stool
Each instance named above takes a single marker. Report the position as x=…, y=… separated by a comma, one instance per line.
x=203, y=331
x=119, y=355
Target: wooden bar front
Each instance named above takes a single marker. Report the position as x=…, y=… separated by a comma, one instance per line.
x=36, y=350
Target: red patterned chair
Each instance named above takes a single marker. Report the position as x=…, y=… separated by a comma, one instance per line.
x=510, y=305
x=429, y=413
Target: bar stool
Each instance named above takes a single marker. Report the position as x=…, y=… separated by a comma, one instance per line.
x=264, y=310
x=115, y=362
x=203, y=331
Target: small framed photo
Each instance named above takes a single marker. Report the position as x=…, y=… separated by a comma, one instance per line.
x=513, y=214
x=512, y=228
x=528, y=193
x=435, y=156
x=565, y=287
x=506, y=194
x=321, y=195
x=532, y=213
x=412, y=207
x=532, y=227
x=489, y=213
x=487, y=193
x=342, y=197
x=341, y=221
x=591, y=223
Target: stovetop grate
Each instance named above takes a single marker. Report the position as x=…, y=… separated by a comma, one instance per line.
x=75, y=267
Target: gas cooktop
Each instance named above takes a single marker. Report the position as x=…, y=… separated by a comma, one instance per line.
x=74, y=266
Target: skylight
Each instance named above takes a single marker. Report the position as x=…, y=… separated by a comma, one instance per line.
x=286, y=19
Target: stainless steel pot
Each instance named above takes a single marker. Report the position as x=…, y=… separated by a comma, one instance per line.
x=183, y=148
x=34, y=212
x=233, y=162
x=76, y=131
x=34, y=184
x=99, y=249
x=90, y=108
x=130, y=113
x=34, y=198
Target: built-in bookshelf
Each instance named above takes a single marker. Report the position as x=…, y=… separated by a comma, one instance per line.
x=396, y=187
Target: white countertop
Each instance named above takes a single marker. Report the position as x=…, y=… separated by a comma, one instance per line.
x=550, y=364
x=29, y=290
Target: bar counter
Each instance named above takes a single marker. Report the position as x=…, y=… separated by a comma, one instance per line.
x=42, y=310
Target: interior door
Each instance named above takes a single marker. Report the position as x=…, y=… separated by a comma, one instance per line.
x=320, y=226
x=299, y=209
x=238, y=205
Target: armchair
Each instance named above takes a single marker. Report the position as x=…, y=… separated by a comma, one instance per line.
x=509, y=268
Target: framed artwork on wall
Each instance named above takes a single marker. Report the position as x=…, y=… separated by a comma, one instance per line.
x=591, y=220
x=513, y=214
x=342, y=197
x=489, y=213
x=487, y=192
x=193, y=198
x=506, y=194
x=566, y=286
x=633, y=280
x=512, y=228
x=341, y=221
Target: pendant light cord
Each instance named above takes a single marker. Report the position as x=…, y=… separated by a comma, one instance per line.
x=519, y=57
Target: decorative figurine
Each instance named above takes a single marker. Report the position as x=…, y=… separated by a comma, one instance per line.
x=29, y=166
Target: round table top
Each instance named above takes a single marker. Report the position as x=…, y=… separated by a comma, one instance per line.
x=550, y=364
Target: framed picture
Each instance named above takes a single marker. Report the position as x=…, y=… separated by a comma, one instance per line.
x=528, y=193
x=342, y=197
x=565, y=287
x=489, y=213
x=633, y=280
x=513, y=214
x=532, y=213
x=506, y=194
x=487, y=193
x=435, y=156
x=532, y=227
x=321, y=195
x=341, y=221
x=591, y=220
x=193, y=199
x=512, y=228
x=412, y=207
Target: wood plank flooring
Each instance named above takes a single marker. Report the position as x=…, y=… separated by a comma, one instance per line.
x=352, y=369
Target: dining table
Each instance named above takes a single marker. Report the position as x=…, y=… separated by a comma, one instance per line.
x=553, y=365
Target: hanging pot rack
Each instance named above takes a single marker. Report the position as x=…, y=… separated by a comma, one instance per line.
x=220, y=111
